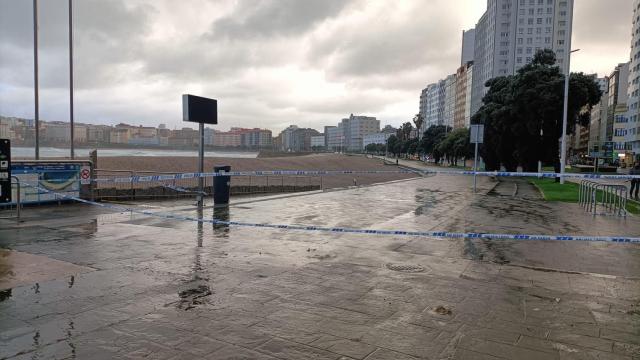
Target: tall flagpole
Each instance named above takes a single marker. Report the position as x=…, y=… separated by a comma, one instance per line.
x=71, y=76
x=36, y=115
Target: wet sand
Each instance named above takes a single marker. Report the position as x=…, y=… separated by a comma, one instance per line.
x=306, y=162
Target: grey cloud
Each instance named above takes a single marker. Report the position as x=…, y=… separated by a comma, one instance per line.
x=385, y=45
x=266, y=18
x=603, y=22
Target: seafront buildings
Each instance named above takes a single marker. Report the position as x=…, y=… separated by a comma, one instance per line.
x=505, y=39
x=21, y=132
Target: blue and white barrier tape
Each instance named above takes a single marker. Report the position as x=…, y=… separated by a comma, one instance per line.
x=437, y=234
x=182, y=176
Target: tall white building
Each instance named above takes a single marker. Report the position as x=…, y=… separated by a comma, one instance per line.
x=449, y=100
x=355, y=128
x=633, y=90
x=510, y=32
x=468, y=46
x=432, y=104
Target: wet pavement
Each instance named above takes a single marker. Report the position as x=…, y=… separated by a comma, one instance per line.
x=117, y=285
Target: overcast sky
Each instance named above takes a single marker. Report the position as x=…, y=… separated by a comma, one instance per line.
x=270, y=63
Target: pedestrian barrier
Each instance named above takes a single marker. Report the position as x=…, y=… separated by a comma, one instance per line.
x=341, y=230
x=603, y=199
x=183, y=176
x=18, y=202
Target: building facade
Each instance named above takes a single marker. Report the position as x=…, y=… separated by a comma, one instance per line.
x=468, y=46
x=432, y=101
x=377, y=138
x=317, y=142
x=355, y=128
x=334, y=137
x=633, y=88
x=462, y=112
x=449, y=99
x=510, y=32
x=617, y=95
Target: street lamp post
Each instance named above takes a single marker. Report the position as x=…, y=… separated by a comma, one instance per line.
x=567, y=75
x=565, y=108
x=72, y=149
x=36, y=112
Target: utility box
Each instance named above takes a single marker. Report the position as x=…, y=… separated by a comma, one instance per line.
x=5, y=171
x=221, y=186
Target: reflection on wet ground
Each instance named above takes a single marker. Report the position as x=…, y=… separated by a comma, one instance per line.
x=88, y=284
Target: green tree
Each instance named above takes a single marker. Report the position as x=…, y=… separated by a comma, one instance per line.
x=517, y=107
x=392, y=143
x=418, y=120
x=455, y=146
x=431, y=138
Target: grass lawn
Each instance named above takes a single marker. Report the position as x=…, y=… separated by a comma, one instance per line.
x=568, y=192
x=554, y=191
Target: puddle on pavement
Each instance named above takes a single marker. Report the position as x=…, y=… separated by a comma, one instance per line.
x=193, y=296
x=17, y=269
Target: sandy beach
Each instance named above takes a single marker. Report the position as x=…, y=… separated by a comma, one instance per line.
x=306, y=162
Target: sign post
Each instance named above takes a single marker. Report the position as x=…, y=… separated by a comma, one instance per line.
x=5, y=171
x=476, y=137
x=202, y=111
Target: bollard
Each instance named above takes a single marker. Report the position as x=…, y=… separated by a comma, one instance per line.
x=221, y=186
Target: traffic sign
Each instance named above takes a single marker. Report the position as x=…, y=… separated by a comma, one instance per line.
x=477, y=134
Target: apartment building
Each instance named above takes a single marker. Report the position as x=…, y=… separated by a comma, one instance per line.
x=510, y=32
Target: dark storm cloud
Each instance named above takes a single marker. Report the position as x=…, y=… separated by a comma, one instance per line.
x=268, y=18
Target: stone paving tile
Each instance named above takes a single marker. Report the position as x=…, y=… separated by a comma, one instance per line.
x=353, y=349
x=384, y=354
x=288, y=331
x=242, y=336
x=462, y=354
x=200, y=345
x=626, y=349
x=284, y=349
x=502, y=350
x=583, y=341
x=237, y=353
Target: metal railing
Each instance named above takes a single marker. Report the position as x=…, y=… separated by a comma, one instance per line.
x=18, y=200
x=603, y=199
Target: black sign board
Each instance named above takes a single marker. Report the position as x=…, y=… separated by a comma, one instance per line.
x=5, y=171
x=199, y=109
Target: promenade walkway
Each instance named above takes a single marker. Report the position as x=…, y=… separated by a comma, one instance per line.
x=80, y=282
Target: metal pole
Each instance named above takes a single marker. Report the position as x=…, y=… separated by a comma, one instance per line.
x=71, y=77
x=540, y=161
x=475, y=168
x=201, y=166
x=567, y=74
x=36, y=115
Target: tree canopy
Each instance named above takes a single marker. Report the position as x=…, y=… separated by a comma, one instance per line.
x=516, y=108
